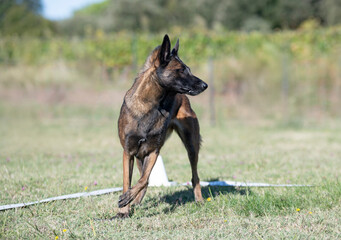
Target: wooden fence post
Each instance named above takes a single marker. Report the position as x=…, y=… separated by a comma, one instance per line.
x=211, y=91
x=285, y=84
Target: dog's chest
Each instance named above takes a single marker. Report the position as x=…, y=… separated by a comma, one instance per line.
x=149, y=131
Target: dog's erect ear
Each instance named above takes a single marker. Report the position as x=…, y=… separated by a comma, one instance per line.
x=176, y=48
x=165, y=51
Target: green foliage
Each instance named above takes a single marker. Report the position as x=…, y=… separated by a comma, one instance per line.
x=19, y=22
x=94, y=9
x=160, y=15
x=297, y=72
x=21, y=18
x=331, y=11
x=30, y=5
x=120, y=49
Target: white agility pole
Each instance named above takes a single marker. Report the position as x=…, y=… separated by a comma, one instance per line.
x=158, y=176
x=69, y=196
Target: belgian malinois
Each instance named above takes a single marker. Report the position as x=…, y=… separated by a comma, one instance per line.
x=153, y=107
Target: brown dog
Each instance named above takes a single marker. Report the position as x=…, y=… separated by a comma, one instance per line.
x=154, y=106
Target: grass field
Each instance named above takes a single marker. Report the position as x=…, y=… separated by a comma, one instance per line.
x=50, y=149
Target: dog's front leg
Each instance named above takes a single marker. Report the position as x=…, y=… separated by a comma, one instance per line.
x=140, y=196
x=142, y=183
x=128, y=166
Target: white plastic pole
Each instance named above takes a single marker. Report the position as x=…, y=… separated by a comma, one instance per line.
x=158, y=176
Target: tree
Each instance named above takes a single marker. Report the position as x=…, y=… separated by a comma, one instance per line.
x=160, y=15
x=31, y=5
x=291, y=13
x=21, y=18
x=34, y=6
x=331, y=11
x=153, y=15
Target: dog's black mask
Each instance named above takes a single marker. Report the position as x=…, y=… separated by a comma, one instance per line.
x=174, y=75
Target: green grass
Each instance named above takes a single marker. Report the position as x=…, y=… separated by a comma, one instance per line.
x=48, y=150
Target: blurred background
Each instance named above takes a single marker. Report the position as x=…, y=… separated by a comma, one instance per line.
x=265, y=60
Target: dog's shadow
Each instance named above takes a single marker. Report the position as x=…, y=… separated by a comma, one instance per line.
x=181, y=197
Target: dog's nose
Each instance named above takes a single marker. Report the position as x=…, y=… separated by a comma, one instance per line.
x=204, y=85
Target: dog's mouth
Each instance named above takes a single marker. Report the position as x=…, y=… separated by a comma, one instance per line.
x=188, y=91
x=199, y=88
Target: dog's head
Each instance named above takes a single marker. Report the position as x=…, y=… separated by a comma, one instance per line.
x=173, y=74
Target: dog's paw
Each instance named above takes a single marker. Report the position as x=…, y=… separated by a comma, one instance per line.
x=199, y=200
x=125, y=199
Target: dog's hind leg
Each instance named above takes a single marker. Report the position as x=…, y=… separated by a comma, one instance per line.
x=142, y=183
x=187, y=127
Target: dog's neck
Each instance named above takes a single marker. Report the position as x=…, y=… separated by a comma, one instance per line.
x=145, y=94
